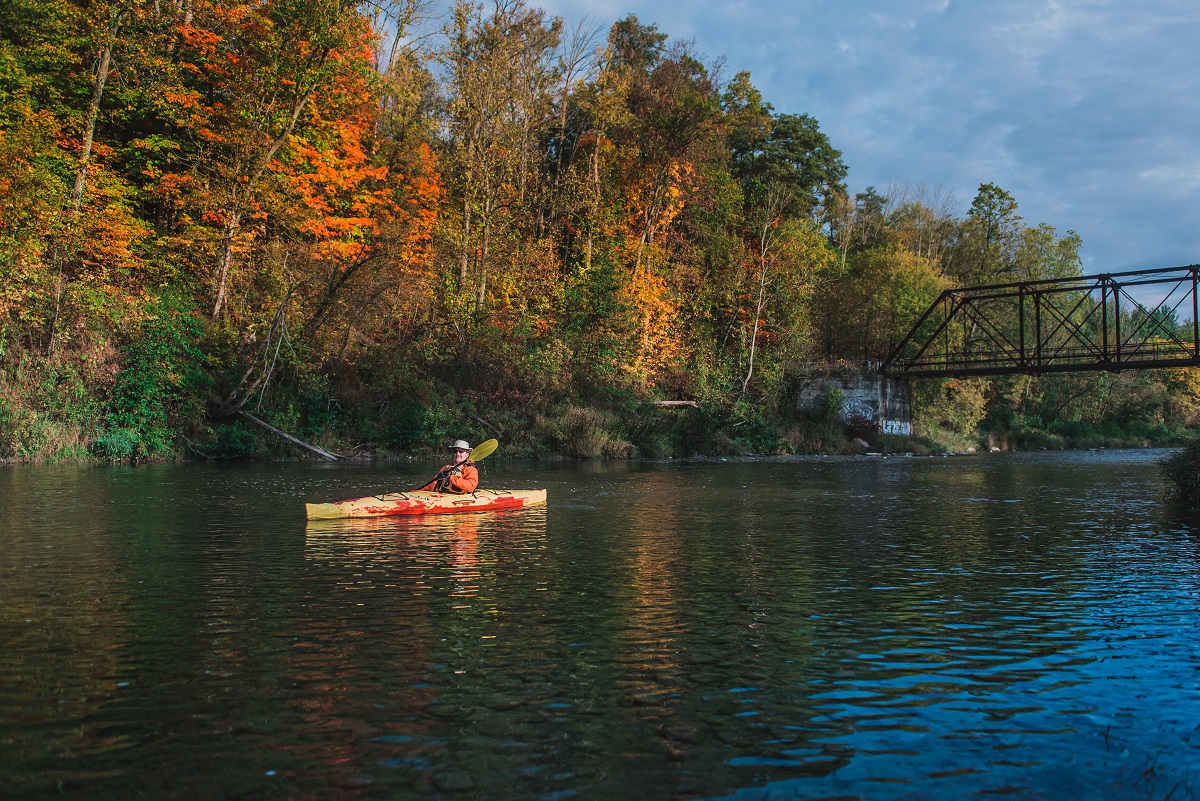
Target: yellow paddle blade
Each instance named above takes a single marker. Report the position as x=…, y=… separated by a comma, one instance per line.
x=485, y=448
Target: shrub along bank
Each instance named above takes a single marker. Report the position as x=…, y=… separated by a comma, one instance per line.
x=159, y=406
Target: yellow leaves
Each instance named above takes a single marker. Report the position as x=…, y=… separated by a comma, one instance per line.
x=659, y=197
x=1185, y=381
x=112, y=234
x=30, y=191
x=657, y=344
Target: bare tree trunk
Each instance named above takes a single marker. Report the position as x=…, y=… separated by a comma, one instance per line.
x=233, y=218
x=591, y=234
x=59, y=289
x=89, y=125
x=647, y=236
x=776, y=200
x=847, y=241
x=758, y=308
x=481, y=289
x=333, y=457
x=464, y=255
x=232, y=224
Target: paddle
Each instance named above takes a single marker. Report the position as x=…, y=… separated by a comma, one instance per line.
x=483, y=450
x=480, y=451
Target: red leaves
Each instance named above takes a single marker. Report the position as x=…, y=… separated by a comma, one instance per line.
x=205, y=42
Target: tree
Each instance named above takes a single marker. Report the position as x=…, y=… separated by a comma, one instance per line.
x=345, y=220
x=990, y=234
x=864, y=312
x=252, y=76
x=499, y=82
x=768, y=230
x=749, y=119
x=603, y=107
x=636, y=46
x=1041, y=253
x=794, y=154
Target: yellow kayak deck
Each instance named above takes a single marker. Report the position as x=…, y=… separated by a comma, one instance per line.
x=420, y=502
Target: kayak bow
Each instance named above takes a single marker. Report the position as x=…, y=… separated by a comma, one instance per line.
x=422, y=503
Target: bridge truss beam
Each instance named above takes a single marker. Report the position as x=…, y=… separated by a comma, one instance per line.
x=1058, y=325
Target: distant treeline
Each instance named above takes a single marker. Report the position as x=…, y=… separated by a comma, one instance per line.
x=379, y=232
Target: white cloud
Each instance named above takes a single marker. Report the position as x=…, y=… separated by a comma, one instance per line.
x=1176, y=180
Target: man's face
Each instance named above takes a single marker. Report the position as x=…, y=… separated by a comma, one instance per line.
x=461, y=456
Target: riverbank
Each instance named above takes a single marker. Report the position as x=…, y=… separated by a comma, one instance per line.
x=582, y=433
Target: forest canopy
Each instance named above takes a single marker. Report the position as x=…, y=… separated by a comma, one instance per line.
x=380, y=230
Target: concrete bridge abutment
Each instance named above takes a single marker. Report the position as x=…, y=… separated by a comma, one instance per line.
x=866, y=395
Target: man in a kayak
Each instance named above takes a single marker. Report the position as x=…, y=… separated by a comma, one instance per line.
x=460, y=476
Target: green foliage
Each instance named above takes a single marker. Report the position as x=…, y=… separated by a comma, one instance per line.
x=1182, y=469
x=831, y=405
x=637, y=46
x=430, y=425
x=46, y=409
x=232, y=442
x=119, y=444
x=954, y=406
x=158, y=391
x=867, y=307
x=757, y=430
x=583, y=433
x=797, y=155
x=406, y=424
x=317, y=411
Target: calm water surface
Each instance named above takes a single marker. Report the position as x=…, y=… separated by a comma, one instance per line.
x=1019, y=625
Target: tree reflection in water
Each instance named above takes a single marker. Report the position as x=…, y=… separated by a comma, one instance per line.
x=797, y=628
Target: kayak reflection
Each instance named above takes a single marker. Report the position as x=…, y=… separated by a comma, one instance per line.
x=456, y=535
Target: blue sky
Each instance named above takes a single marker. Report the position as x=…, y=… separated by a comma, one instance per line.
x=1086, y=111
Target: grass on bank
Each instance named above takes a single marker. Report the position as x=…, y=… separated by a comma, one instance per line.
x=49, y=415
x=1182, y=469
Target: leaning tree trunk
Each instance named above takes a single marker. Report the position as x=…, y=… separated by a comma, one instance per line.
x=233, y=218
x=89, y=125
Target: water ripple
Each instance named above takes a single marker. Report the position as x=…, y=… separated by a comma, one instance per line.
x=791, y=629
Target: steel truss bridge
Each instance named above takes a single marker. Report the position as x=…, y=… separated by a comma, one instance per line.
x=1057, y=325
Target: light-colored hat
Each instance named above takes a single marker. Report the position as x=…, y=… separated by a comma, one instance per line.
x=460, y=445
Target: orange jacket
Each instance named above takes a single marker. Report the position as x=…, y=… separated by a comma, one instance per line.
x=458, y=479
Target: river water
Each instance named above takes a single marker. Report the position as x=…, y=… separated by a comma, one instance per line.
x=1014, y=624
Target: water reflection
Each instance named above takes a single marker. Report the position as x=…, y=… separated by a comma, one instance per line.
x=796, y=629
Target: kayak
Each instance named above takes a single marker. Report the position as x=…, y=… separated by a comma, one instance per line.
x=424, y=503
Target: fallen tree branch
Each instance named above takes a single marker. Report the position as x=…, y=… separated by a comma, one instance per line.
x=490, y=427
x=197, y=451
x=333, y=457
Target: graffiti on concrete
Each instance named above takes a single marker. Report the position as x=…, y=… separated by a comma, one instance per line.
x=867, y=401
x=856, y=409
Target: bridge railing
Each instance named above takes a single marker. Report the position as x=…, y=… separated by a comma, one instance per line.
x=1118, y=321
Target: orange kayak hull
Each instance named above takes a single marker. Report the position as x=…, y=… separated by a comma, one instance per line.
x=425, y=503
